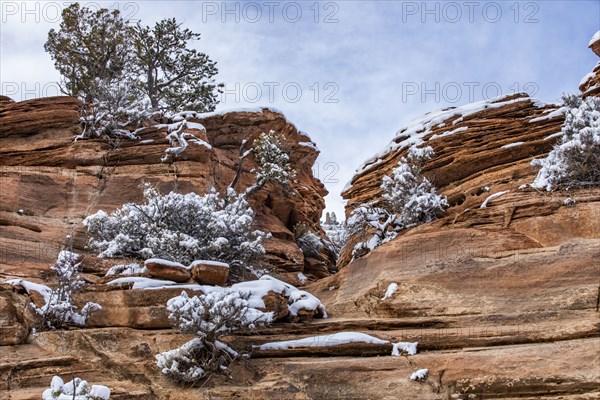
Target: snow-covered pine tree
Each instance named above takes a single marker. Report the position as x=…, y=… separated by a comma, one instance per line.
x=575, y=160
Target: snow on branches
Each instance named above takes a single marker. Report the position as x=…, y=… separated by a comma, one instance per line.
x=409, y=194
x=210, y=317
x=59, y=311
x=273, y=162
x=215, y=314
x=409, y=198
x=115, y=106
x=179, y=227
x=575, y=160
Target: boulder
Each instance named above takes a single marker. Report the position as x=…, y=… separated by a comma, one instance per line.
x=210, y=272
x=167, y=270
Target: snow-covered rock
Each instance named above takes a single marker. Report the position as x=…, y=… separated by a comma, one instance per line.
x=210, y=272
x=419, y=375
x=167, y=270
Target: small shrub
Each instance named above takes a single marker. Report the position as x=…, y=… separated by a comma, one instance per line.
x=574, y=161
x=210, y=317
x=409, y=199
x=310, y=244
x=59, y=310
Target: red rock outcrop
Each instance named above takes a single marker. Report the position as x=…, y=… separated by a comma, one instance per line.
x=50, y=182
x=503, y=300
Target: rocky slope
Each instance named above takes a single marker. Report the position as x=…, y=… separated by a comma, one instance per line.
x=50, y=183
x=503, y=300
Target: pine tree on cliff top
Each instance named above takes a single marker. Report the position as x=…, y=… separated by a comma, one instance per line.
x=95, y=48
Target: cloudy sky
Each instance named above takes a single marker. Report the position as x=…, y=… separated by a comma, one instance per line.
x=349, y=73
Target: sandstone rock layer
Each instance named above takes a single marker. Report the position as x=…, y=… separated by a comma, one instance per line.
x=50, y=182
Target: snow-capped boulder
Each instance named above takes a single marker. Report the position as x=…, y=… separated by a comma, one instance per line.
x=210, y=272
x=167, y=270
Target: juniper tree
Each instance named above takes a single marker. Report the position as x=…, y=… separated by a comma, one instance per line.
x=409, y=199
x=96, y=51
x=90, y=47
x=272, y=162
x=174, y=76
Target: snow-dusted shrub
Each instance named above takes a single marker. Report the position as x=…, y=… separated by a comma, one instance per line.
x=59, y=310
x=273, y=162
x=215, y=314
x=116, y=107
x=179, y=227
x=411, y=195
x=409, y=199
x=209, y=316
x=377, y=223
x=77, y=389
x=575, y=160
x=183, y=364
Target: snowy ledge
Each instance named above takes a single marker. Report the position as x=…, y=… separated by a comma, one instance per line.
x=334, y=344
x=415, y=132
x=335, y=339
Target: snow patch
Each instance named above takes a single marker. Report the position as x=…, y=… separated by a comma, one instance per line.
x=549, y=115
x=141, y=282
x=390, y=291
x=419, y=375
x=208, y=262
x=594, y=39
x=409, y=348
x=44, y=290
x=164, y=262
x=336, y=339
x=308, y=144
x=491, y=197
x=448, y=133
x=129, y=269
x=557, y=134
x=586, y=78
x=302, y=278
x=515, y=144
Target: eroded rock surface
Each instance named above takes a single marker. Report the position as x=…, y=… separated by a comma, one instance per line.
x=50, y=183
x=503, y=300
